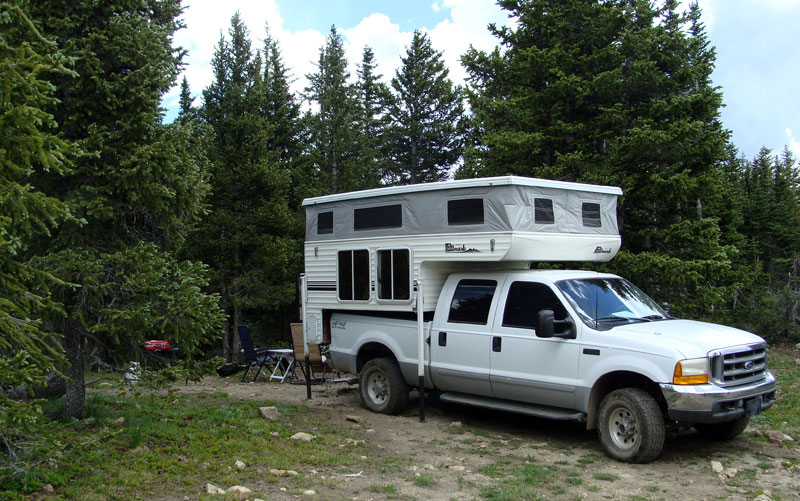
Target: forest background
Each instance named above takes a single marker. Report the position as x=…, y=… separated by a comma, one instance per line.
x=116, y=227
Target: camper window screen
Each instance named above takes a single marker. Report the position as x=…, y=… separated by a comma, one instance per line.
x=374, y=218
x=472, y=301
x=354, y=275
x=465, y=211
x=324, y=223
x=591, y=215
x=543, y=211
x=394, y=278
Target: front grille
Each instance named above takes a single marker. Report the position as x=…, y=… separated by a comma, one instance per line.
x=739, y=365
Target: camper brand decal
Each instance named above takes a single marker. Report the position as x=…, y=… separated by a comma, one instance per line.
x=338, y=324
x=600, y=250
x=459, y=248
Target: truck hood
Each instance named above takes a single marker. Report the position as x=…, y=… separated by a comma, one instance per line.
x=693, y=339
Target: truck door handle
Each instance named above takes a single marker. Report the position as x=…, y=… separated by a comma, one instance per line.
x=497, y=343
x=442, y=339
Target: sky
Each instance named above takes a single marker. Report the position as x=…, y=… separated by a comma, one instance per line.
x=757, y=67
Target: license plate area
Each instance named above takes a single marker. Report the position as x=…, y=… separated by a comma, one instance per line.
x=752, y=406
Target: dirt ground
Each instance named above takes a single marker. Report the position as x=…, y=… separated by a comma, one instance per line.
x=466, y=453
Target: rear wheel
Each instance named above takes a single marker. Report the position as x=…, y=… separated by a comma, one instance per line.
x=722, y=431
x=631, y=426
x=382, y=386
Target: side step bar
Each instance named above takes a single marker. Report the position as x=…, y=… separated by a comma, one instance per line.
x=541, y=411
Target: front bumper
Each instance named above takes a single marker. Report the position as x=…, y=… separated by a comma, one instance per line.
x=709, y=403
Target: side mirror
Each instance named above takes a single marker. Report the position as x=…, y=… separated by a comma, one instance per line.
x=666, y=308
x=546, y=324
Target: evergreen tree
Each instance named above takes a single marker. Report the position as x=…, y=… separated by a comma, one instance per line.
x=248, y=235
x=616, y=93
x=134, y=186
x=332, y=126
x=281, y=107
x=375, y=99
x=426, y=135
x=185, y=101
x=27, y=352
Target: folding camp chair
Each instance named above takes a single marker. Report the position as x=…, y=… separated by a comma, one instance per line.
x=317, y=364
x=258, y=357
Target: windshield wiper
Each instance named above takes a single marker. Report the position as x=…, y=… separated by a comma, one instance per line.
x=613, y=318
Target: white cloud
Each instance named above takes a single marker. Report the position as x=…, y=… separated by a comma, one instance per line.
x=384, y=38
x=467, y=26
x=793, y=143
x=206, y=20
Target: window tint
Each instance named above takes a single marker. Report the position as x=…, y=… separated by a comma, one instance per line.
x=591, y=215
x=394, y=276
x=354, y=275
x=466, y=211
x=324, y=223
x=525, y=301
x=543, y=211
x=373, y=218
x=472, y=301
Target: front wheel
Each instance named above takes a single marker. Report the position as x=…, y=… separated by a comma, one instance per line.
x=631, y=426
x=382, y=386
x=722, y=431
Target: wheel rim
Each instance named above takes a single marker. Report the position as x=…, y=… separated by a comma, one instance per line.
x=377, y=388
x=623, y=428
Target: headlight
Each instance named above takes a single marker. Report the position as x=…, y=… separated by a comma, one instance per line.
x=692, y=371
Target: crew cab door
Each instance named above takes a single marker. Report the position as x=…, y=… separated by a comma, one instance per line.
x=525, y=367
x=460, y=341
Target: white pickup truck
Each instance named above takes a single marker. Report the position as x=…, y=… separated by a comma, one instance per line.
x=570, y=345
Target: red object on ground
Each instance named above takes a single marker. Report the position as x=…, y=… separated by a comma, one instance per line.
x=156, y=345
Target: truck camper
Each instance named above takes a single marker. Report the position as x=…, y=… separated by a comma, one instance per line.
x=431, y=286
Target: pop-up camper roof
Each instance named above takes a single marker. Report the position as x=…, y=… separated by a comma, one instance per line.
x=543, y=220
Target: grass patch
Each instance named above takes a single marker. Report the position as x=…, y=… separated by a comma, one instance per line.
x=785, y=414
x=130, y=447
x=522, y=482
x=605, y=477
x=383, y=489
x=423, y=480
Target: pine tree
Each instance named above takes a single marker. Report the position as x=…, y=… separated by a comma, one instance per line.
x=27, y=352
x=616, y=93
x=185, y=101
x=248, y=235
x=334, y=137
x=134, y=187
x=375, y=99
x=426, y=136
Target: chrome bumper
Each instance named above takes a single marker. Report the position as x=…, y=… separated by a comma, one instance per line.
x=709, y=403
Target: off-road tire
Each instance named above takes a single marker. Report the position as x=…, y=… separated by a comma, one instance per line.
x=722, y=431
x=631, y=426
x=382, y=387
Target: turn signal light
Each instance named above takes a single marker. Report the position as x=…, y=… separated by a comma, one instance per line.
x=694, y=371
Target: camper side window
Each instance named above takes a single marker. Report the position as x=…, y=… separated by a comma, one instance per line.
x=591, y=214
x=472, y=301
x=354, y=275
x=543, y=211
x=394, y=276
x=465, y=211
x=324, y=223
x=376, y=218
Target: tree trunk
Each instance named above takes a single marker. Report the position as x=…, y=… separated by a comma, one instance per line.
x=76, y=392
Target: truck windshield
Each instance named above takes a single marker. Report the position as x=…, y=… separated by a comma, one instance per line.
x=604, y=303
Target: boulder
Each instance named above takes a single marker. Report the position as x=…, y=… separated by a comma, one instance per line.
x=213, y=489
x=240, y=492
x=305, y=437
x=268, y=413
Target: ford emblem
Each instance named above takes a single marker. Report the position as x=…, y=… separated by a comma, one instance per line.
x=749, y=365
